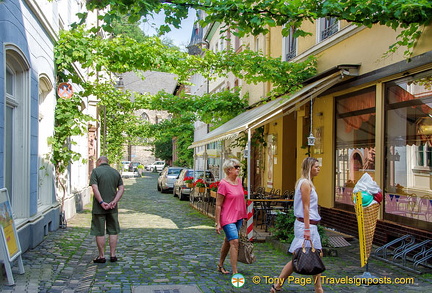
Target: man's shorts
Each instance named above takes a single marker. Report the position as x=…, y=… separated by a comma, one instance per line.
x=101, y=221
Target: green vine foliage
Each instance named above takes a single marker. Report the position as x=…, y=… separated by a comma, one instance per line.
x=257, y=17
x=69, y=122
x=122, y=53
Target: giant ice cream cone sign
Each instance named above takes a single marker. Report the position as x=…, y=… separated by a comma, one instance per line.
x=367, y=199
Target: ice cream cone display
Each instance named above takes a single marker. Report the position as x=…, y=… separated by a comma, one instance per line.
x=367, y=198
x=370, y=217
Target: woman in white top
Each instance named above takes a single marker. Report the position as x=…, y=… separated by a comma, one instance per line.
x=306, y=212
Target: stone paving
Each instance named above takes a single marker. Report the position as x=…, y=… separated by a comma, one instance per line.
x=167, y=246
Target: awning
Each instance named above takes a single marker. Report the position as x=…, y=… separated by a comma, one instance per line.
x=263, y=114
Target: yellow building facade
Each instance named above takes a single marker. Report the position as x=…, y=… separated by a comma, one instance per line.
x=377, y=122
x=368, y=113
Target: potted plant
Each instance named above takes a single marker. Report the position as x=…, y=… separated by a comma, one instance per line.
x=200, y=184
x=213, y=189
x=188, y=181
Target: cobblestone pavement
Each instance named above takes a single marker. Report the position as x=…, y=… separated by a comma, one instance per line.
x=165, y=242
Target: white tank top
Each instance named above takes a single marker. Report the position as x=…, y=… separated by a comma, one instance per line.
x=313, y=206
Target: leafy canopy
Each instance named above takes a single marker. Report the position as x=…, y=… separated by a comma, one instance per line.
x=125, y=52
x=256, y=17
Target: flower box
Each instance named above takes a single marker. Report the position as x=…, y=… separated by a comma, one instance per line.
x=188, y=182
x=213, y=193
x=201, y=189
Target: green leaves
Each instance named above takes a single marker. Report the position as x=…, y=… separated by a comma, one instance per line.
x=129, y=50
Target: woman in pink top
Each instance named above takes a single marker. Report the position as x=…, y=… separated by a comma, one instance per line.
x=230, y=212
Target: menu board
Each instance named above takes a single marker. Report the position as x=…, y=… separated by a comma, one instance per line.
x=7, y=226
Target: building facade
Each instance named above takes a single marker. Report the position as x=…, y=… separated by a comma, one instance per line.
x=29, y=30
x=366, y=113
x=148, y=82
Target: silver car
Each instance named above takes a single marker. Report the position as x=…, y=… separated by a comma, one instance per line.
x=167, y=177
x=180, y=188
x=156, y=166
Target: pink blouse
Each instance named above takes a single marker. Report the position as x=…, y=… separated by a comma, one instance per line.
x=234, y=205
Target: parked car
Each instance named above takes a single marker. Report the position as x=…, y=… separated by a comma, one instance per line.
x=180, y=188
x=133, y=166
x=125, y=165
x=167, y=178
x=156, y=166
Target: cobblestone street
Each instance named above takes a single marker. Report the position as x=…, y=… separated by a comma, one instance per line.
x=166, y=245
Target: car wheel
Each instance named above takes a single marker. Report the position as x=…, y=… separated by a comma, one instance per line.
x=154, y=170
x=181, y=196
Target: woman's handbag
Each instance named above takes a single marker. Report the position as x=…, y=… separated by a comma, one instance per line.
x=307, y=260
x=245, y=250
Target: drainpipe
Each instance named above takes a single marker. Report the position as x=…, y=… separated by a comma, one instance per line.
x=248, y=159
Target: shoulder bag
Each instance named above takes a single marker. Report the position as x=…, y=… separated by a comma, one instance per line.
x=245, y=251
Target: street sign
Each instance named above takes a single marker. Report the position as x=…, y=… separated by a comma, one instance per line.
x=64, y=90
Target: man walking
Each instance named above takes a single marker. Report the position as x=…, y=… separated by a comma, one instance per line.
x=108, y=189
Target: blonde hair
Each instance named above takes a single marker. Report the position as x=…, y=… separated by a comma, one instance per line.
x=230, y=163
x=306, y=168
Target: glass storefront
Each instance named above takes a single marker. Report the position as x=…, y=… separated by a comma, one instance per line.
x=355, y=142
x=408, y=162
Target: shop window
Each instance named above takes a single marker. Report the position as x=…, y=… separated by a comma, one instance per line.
x=355, y=142
x=408, y=180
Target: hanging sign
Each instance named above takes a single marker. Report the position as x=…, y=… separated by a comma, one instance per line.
x=64, y=90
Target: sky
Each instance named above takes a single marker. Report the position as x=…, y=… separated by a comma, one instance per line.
x=181, y=37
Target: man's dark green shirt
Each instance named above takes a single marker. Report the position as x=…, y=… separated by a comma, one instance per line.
x=108, y=180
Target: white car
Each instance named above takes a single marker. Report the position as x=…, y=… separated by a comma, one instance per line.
x=156, y=166
x=125, y=165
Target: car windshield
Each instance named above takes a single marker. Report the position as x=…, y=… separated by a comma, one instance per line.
x=174, y=171
x=200, y=174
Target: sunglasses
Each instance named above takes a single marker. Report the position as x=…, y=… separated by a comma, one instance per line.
x=237, y=167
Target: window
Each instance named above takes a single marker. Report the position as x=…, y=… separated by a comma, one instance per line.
x=236, y=42
x=17, y=131
x=408, y=180
x=257, y=44
x=46, y=117
x=355, y=142
x=222, y=43
x=290, y=45
x=327, y=27
x=144, y=117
